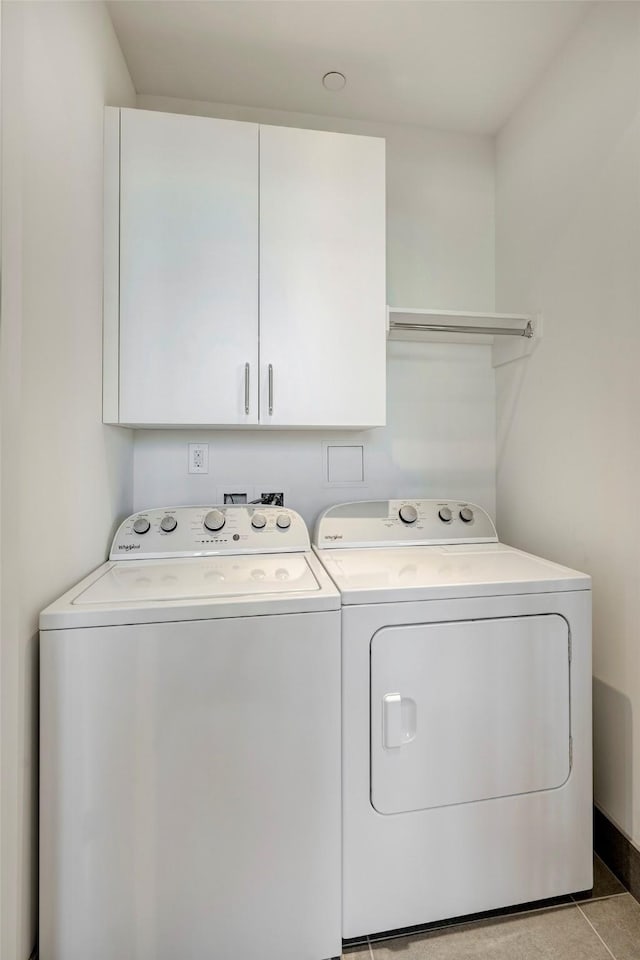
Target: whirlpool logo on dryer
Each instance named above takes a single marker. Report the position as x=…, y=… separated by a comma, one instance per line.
x=128, y=546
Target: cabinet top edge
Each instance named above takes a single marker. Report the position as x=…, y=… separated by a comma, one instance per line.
x=110, y=110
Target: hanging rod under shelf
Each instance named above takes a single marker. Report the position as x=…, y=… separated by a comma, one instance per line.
x=459, y=328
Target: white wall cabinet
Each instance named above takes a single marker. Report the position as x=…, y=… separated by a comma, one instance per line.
x=244, y=274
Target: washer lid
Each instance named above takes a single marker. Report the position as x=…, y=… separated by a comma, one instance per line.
x=384, y=575
x=185, y=579
x=196, y=588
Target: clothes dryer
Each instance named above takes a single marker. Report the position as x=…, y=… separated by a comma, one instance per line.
x=466, y=699
x=190, y=746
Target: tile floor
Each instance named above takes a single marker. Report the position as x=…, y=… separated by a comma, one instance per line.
x=603, y=924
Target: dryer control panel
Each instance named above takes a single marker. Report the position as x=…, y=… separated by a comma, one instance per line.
x=384, y=523
x=209, y=531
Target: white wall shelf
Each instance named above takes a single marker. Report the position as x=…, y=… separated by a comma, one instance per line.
x=512, y=335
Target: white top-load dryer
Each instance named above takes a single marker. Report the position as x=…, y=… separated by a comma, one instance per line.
x=466, y=695
x=190, y=746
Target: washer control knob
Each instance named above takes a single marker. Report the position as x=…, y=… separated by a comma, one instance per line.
x=168, y=524
x=258, y=521
x=283, y=521
x=466, y=514
x=214, y=520
x=408, y=514
x=445, y=514
x=141, y=525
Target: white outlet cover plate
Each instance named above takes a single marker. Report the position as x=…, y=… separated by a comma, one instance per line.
x=198, y=461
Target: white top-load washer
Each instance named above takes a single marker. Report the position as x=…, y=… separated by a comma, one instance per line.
x=190, y=746
x=466, y=696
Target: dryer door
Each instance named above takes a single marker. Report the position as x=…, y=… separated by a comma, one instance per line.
x=468, y=710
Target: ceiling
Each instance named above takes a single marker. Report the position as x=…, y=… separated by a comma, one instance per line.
x=452, y=64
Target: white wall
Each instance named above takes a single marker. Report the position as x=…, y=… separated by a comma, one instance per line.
x=65, y=478
x=568, y=244
x=440, y=438
x=439, y=442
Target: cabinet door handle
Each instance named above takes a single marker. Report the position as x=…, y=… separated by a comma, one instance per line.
x=247, y=378
x=270, y=389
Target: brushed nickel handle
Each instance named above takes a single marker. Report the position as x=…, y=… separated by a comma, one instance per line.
x=247, y=376
x=270, y=389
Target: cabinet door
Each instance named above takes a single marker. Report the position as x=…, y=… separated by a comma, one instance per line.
x=322, y=279
x=188, y=270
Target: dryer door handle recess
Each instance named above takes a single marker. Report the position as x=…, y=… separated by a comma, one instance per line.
x=398, y=720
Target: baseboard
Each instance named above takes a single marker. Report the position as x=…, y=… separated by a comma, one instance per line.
x=617, y=851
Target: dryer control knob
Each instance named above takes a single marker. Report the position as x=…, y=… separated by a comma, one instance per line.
x=258, y=521
x=408, y=514
x=445, y=514
x=466, y=514
x=283, y=521
x=141, y=525
x=214, y=520
x=168, y=524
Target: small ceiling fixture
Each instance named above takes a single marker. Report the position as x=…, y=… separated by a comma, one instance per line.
x=334, y=80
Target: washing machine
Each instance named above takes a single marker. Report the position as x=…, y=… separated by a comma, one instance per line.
x=190, y=746
x=466, y=699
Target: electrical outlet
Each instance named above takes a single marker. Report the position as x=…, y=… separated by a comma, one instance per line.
x=198, y=458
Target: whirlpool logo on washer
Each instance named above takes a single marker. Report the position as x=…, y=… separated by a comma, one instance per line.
x=128, y=546
x=333, y=536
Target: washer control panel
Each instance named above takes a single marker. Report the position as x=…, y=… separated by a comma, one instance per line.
x=209, y=531
x=372, y=523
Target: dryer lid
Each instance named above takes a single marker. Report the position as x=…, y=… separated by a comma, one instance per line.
x=384, y=575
